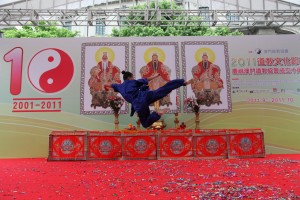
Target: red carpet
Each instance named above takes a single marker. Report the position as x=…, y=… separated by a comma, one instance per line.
x=273, y=177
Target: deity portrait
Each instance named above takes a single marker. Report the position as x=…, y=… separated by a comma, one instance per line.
x=156, y=66
x=207, y=64
x=101, y=65
x=150, y=58
x=207, y=84
x=104, y=72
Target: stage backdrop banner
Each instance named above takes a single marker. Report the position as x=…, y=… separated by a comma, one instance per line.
x=58, y=84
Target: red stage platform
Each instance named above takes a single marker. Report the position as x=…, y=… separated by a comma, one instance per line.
x=151, y=144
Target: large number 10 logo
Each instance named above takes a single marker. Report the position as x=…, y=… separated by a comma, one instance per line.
x=49, y=70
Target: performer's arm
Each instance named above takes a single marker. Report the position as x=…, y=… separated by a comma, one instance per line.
x=153, y=77
x=112, y=85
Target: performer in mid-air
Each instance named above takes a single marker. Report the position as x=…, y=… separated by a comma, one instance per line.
x=138, y=94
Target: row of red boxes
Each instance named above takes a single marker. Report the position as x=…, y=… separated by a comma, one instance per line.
x=151, y=144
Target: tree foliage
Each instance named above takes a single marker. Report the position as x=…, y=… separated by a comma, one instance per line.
x=154, y=28
x=40, y=31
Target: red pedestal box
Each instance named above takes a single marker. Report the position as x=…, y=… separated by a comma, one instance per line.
x=104, y=145
x=176, y=144
x=67, y=145
x=140, y=145
x=210, y=143
x=246, y=143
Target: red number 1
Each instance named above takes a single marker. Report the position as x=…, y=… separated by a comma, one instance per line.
x=15, y=56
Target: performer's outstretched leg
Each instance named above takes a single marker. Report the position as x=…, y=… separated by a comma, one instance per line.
x=163, y=91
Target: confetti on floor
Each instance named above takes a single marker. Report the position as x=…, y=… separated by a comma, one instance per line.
x=273, y=177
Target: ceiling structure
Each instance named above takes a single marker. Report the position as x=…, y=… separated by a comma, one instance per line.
x=236, y=13
x=77, y=4
x=88, y=17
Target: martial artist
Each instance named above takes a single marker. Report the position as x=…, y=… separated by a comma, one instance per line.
x=138, y=94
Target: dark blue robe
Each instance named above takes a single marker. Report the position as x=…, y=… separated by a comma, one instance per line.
x=138, y=94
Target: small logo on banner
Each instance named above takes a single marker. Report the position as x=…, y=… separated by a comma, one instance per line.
x=257, y=51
